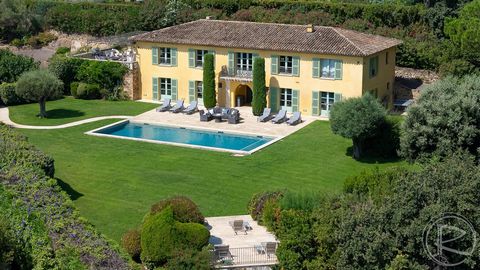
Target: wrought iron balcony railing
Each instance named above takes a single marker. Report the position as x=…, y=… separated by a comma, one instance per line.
x=243, y=257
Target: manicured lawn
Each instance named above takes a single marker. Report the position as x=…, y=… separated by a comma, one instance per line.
x=114, y=181
x=68, y=110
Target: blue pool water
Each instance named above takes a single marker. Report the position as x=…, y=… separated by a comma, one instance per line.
x=186, y=136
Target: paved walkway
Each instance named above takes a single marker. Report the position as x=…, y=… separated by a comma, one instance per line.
x=4, y=118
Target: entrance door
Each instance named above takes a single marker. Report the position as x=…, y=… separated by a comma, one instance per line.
x=165, y=88
x=286, y=99
x=326, y=102
x=248, y=95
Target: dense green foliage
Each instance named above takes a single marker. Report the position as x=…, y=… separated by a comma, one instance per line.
x=378, y=221
x=12, y=66
x=259, y=101
x=39, y=85
x=131, y=242
x=444, y=119
x=66, y=69
x=357, y=119
x=162, y=235
x=17, y=19
x=107, y=75
x=184, y=209
x=209, y=93
x=50, y=234
x=87, y=91
x=8, y=95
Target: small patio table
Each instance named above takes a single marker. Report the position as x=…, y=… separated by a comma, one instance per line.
x=218, y=117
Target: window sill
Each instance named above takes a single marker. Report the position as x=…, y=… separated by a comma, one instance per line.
x=328, y=79
x=164, y=65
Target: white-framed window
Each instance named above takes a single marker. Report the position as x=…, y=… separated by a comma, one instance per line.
x=327, y=99
x=327, y=68
x=285, y=64
x=199, y=56
x=244, y=61
x=199, y=89
x=286, y=98
x=165, y=86
x=165, y=56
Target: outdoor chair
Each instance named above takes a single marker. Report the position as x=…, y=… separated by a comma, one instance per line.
x=268, y=248
x=265, y=116
x=205, y=116
x=222, y=252
x=295, y=119
x=280, y=117
x=226, y=113
x=165, y=106
x=234, y=116
x=192, y=108
x=178, y=107
x=238, y=226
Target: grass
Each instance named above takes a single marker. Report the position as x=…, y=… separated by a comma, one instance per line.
x=68, y=110
x=114, y=181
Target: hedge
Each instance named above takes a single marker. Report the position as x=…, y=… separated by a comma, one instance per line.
x=8, y=96
x=25, y=174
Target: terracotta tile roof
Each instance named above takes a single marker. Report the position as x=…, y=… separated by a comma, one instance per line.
x=270, y=36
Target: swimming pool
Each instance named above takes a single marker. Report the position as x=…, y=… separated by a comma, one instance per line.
x=189, y=137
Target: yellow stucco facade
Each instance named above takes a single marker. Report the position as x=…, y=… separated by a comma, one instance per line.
x=308, y=93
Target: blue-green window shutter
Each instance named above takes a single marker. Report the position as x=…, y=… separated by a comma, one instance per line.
x=173, y=53
x=174, y=89
x=191, y=58
x=231, y=63
x=274, y=64
x=316, y=68
x=155, y=88
x=191, y=91
x=295, y=98
x=273, y=93
x=315, y=103
x=296, y=66
x=154, y=56
x=338, y=97
x=338, y=69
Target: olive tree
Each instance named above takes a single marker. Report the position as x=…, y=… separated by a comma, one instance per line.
x=259, y=101
x=357, y=119
x=39, y=85
x=209, y=95
x=445, y=118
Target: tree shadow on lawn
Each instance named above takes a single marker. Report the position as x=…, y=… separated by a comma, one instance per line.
x=64, y=113
x=69, y=190
x=372, y=159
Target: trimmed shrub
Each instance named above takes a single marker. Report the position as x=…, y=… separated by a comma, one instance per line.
x=386, y=142
x=87, y=91
x=131, y=242
x=209, y=94
x=270, y=214
x=12, y=66
x=190, y=259
x=184, y=209
x=257, y=203
x=259, y=101
x=8, y=95
x=73, y=89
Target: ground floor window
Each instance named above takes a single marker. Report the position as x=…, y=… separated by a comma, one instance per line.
x=286, y=99
x=199, y=89
x=327, y=99
x=166, y=87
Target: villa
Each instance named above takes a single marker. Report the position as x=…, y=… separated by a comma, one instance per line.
x=308, y=68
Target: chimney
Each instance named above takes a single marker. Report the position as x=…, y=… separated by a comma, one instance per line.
x=310, y=28
x=208, y=18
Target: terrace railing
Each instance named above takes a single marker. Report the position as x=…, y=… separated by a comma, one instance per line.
x=237, y=74
x=246, y=257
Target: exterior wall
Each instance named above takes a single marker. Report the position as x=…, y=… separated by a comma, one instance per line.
x=353, y=83
x=386, y=74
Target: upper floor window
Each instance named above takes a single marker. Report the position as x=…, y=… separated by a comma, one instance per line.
x=327, y=68
x=244, y=61
x=386, y=58
x=199, y=56
x=165, y=56
x=373, y=67
x=285, y=64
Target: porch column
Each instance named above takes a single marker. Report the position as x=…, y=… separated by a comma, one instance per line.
x=227, y=94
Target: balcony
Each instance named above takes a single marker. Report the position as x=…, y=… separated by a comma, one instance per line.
x=237, y=75
x=245, y=257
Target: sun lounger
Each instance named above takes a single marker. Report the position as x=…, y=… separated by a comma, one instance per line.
x=192, y=108
x=165, y=106
x=268, y=248
x=265, y=116
x=280, y=117
x=178, y=107
x=295, y=119
x=205, y=116
x=222, y=252
x=238, y=226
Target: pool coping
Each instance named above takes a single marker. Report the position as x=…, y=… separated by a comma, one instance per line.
x=238, y=152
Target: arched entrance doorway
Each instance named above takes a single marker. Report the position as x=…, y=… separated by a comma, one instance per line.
x=243, y=95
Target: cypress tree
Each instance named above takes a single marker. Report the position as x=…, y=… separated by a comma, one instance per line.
x=209, y=95
x=259, y=101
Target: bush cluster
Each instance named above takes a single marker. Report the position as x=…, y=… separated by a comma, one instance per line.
x=184, y=209
x=12, y=65
x=66, y=241
x=258, y=201
x=8, y=96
